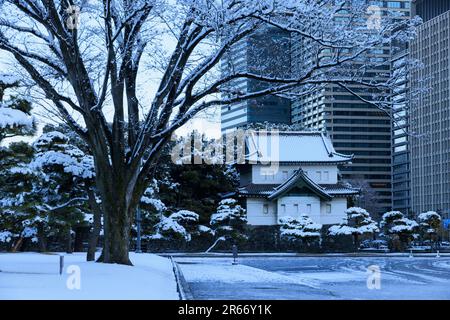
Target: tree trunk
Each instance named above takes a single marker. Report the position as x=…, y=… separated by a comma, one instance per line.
x=16, y=246
x=69, y=248
x=42, y=240
x=95, y=232
x=356, y=241
x=117, y=227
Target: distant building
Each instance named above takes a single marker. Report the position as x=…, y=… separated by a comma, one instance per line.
x=354, y=126
x=267, y=52
x=430, y=116
x=290, y=174
x=401, y=153
x=429, y=9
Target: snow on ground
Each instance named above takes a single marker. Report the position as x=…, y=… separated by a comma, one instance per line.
x=36, y=276
x=222, y=270
x=326, y=277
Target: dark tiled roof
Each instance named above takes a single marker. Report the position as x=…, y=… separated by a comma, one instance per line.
x=265, y=190
x=299, y=176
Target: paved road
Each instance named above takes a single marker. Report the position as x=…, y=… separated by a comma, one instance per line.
x=317, y=278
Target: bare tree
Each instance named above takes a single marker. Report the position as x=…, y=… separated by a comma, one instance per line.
x=88, y=67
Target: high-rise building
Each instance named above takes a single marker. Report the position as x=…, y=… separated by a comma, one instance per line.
x=430, y=116
x=401, y=174
x=267, y=52
x=429, y=9
x=354, y=126
x=402, y=132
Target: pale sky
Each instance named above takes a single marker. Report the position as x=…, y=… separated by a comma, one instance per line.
x=206, y=122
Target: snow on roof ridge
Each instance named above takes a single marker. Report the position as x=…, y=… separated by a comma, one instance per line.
x=299, y=173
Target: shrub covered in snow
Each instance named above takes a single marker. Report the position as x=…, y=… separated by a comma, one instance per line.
x=170, y=229
x=399, y=229
x=357, y=223
x=179, y=225
x=429, y=223
x=229, y=221
x=301, y=229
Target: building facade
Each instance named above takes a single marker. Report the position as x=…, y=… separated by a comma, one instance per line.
x=354, y=126
x=401, y=153
x=430, y=116
x=292, y=174
x=267, y=51
x=429, y=9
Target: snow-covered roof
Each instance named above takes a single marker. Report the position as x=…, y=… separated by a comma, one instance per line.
x=292, y=147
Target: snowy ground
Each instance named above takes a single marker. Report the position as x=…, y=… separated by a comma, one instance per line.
x=36, y=276
x=317, y=278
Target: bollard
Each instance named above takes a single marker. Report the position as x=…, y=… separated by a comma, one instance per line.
x=411, y=254
x=61, y=264
x=438, y=255
x=235, y=253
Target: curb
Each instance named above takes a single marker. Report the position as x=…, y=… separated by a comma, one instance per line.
x=349, y=255
x=183, y=288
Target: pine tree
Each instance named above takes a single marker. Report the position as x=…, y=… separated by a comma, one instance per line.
x=15, y=177
x=229, y=221
x=302, y=230
x=15, y=112
x=399, y=229
x=177, y=227
x=194, y=186
x=357, y=223
x=429, y=224
x=46, y=190
x=16, y=180
x=87, y=184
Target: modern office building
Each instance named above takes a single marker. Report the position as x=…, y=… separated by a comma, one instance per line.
x=430, y=116
x=354, y=126
x=402, y=132
x=401, y=173
x=267, y=51
x=429, y=9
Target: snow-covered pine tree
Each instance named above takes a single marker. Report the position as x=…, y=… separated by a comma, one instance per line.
x=177, y=227
x=399, y=229
x=151, y=209
x=15, y=112
x=16, y=180
x=429, y=224
x=62, y=173
x=15, y=120
x=229, y=221
x=300, y=230
x=357, y=223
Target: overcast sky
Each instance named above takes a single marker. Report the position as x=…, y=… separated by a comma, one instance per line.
x=206, y=122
